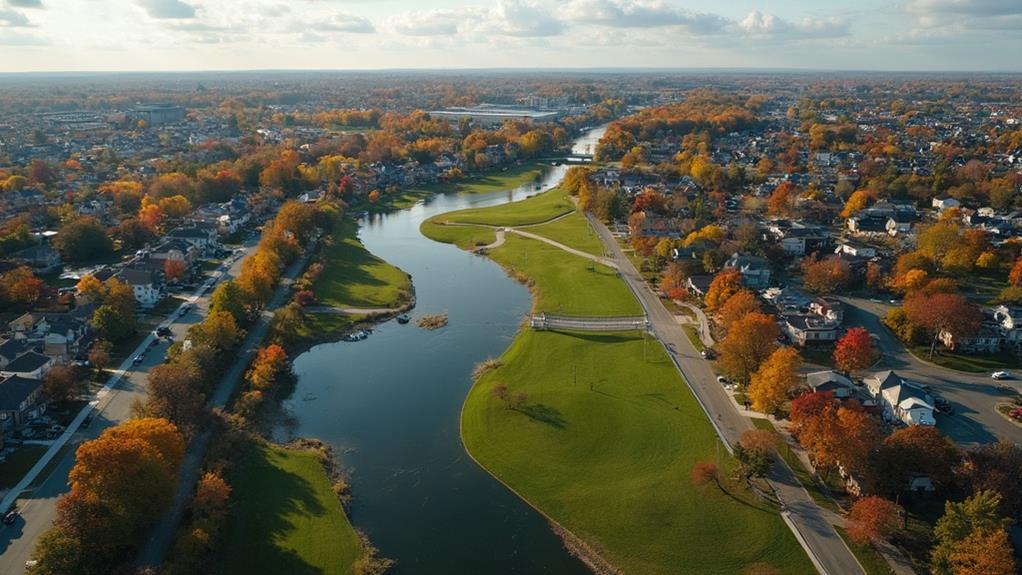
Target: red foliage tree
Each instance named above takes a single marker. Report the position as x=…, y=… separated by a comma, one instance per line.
x=873, y=518
x=854, y=351
x=943, y=312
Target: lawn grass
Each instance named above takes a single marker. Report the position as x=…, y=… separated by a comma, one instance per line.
x=565, y=283
x=605, y=444
x=353, y=277
x=465, y=237
x=493, y=181
x=532, y=210
x=573, y=231
x=967, y=363
x=18, y=463
x=318, y=326
x=693, y=336
x=285, y=517
x=873, y=563
x=805, y=477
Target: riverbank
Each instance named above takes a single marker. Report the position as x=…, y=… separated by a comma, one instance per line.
x=596, y=431
x=496, y=180
x=286, y=518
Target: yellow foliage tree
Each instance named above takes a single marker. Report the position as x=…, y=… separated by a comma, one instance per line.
x=774, y=379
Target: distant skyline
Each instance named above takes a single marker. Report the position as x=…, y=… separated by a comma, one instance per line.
x=167, y=35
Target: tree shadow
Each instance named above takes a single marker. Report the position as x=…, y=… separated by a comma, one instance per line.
x=544, y=414
x=265, y=499
x=596, y=337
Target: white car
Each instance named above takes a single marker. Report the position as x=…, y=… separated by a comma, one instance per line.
x=723, y=380
x=1001, y=375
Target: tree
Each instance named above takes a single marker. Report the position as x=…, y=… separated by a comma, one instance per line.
x=228, y=297
x=673, y=281
x=82, y=239
x=996, y=467
x=20, y=286
x=750, y=341
x=91, y=289
x=211, y=496
x=805, y=409
x=979, y=514
x=175, y=395
x=943, y=312
x=724, y=285
x=854, y=351
x=110, y=325
x=219, y=331
x=754, y=453
x=771, y=383
x=918, y=449
x=61, y=383
x=174, y=270
x=856, y=202
x=115, y=319
x=176, y=206
x=741, y=304
x=827, y=275
x=267, y=368
x=782, y=200
x=704, y=472
x=501, y=392
x=1015, y=275
x=99, y=354
x=983, y=553
x=873, y=518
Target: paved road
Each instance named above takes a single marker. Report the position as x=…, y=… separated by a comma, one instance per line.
x=39, y=507
x=974, y=395
x=827, y=548
x=157, y=545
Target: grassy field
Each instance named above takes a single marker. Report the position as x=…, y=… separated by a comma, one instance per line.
x=495, y=181
x=605, y=444
x=967, y=363
x=606, y=437
x=18, y=463
x=285, y=518
x=353, y=277
x=872, y=561
x=564, y=283
x=572, y=231
x=532, y=210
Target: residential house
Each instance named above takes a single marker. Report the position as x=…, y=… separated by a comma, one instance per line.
x=42, y=258
x=827, y=308
x=203, y=237
x=855, y=249
x=21, y=400
x=147, y=285
x=754, y=269
x=900, y=223
x=699, y=285
x=901, y=399
x=865, y=223
x=946, y=203
x=831, y=381
x=800, y=240
x=987, y=340
x=30, y=364
x=175, y=249
x=805, y=329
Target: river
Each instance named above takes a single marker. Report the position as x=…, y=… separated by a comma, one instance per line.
x=390, y=406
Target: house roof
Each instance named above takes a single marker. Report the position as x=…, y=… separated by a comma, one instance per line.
x=832, y=378
x=12, y=348
x=14, y=390
x=133, y=276
x=27, y=362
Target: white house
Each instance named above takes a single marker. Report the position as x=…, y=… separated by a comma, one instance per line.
x=146, y=285
x=754, y=269
x=901, y=399
x=946, y=203
x=30, y=365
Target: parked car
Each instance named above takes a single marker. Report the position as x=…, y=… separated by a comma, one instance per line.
x=723, y=380
x=11, y=516
x=1002, y=375
x=138, y=359
x=708, y=354
x=943, y=406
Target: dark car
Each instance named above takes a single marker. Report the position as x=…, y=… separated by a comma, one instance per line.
x=11, y=516
x=943, y=406
x=164, y=332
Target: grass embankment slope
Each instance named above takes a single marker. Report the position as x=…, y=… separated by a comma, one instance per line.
x=606, y=441
x=493, y=181
x=286, y=518
x=354, y=278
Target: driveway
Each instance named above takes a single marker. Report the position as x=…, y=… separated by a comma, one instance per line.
x=973, y=395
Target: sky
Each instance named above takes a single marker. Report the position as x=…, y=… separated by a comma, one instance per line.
x=143, y=35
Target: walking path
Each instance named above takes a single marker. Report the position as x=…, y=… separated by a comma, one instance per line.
x=704, y=323
x=502, y=231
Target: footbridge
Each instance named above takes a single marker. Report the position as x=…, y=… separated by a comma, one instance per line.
x=543, y=321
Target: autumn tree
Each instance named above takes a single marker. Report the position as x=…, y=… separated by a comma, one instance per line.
x=21, y=287
x=99, y=354
x=174, y=394
x=1015, y=275
x=771, y=383
x=219, y=331
x=174, y=270
x=673, y=281
x=856, y=202
x=705, y=472
x=996, y=467
x=782, y=200
x=826, y=276
x=115, y=319
x=61, y=383
x=754, y=452
x=908, y=451
x=983, y=553
x=269, y=366
x=741, y=304
x=748, y=344
x=175, y=206
x=854, y=351
x=943, y=312
x=724, y=285
x=873, y=519
x=90, y=289
x=228, y=297
x=82, y=239
x=960, y=533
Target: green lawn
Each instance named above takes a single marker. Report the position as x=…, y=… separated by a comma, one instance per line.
x=870, y=559
x=572, y=231
x=494, y=181
x=693, y=336
x=324, y=325
x=564, y=283
x=532, y=210
x=605, y=445
x=805, y=477
x=18, y=463
x=967, y=363
x=285, y=518
x=353, y=277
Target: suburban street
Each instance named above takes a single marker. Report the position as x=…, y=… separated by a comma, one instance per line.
x=973, y=395
x=827, y=549
x=38, y=507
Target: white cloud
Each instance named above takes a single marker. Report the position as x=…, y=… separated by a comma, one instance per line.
x=520, y=18
x=343, y=22
x=13, y=19
x=642, y=14
x=967, y=14
x=17, y=39
x=430, y=23
x=25, y=3
x=167, y=9
x=970, y=7
x=760, y=25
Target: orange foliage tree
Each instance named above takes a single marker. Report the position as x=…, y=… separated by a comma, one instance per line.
x=873, y=518
x=749, y=342
x=737, y=307
x=774, y=379
x=724, y=285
